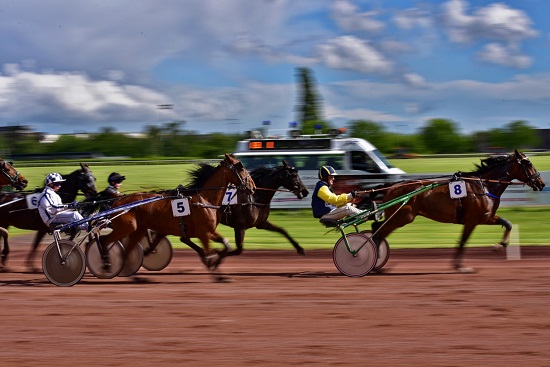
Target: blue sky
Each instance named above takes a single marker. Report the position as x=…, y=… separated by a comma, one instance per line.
x=79, y=66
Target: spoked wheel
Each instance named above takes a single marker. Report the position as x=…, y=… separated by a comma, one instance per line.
x=64, y=266
x=105, y=269
x=133, y=261
x=160, y=257
x=355, y=265
x=383, y=251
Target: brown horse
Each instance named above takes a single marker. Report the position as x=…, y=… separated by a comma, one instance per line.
x=9, y=177
x=14, y=210
x=483, y=187
x=206, y=194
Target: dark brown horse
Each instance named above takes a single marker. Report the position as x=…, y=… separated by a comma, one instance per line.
x=206, y=194
x=9, y=177
x=483, y=187
x=14, y=210
x=253, y=211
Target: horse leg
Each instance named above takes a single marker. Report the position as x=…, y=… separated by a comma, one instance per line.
x=267, y=225
x=6, y=250
x=195, y=247
x=211, y=261
x=507, y=230
x=214, y=260
x=217, y=237
x=457, y=261
x=30, y=256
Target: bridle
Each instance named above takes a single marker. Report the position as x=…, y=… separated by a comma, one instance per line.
x=532, y=178
x=292, y=173
x=12, y=180
x=84, y=179
x=236, y=168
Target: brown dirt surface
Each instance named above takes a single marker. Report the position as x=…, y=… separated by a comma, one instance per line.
x=283, y=309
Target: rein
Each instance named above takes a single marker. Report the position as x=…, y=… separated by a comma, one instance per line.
x=430, y=181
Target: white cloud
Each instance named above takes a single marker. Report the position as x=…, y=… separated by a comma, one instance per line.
x=415, y=80
x=29, y=95
x=504, y=55
x=413, y=18
x=496, y=22
x=351, y=53
x=504, y=26
x=350, y=19
x=334, y=113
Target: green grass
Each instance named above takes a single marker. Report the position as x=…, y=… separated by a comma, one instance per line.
x=139, y=177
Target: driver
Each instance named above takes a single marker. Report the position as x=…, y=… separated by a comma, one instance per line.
x=325, y=203
x=51, y=208
x=115, y=182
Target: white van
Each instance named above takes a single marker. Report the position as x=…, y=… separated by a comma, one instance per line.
x=358, y=163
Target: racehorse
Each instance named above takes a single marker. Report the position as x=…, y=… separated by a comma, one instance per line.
x=253, y=211
x=15, y=212
x=206, y=194
x=9, y=177
x=483, y=187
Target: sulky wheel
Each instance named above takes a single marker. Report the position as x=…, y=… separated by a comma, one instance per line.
x=160, y=257
x=133, y=261
x=65, y=265
x=108, y=268
x=359, y=264
x=383, y=251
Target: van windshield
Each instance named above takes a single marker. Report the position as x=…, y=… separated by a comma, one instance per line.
x=302, y=162
x=382, y=158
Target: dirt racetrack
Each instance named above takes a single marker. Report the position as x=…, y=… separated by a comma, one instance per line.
x=283, y=309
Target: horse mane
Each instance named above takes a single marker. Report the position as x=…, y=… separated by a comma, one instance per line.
x=262, y=171
x=199, y=175
x=488, y=164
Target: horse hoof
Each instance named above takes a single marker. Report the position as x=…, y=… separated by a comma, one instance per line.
x=498, y=248
x=463, y=270
x=301, y=251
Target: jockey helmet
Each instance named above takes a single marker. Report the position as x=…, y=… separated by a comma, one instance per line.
x=116, y=177
x=326, y=171
x=53, y=177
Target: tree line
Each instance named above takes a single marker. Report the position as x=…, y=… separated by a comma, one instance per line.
x=437, y=136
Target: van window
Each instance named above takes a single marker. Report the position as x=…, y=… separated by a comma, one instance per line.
x=362, y=162
x=302, y=162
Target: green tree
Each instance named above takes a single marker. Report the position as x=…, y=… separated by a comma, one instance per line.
x=373, y=132
x=309, y=102
x=441, y=136
x=521, y=135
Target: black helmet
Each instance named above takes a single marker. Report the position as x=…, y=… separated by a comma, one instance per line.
x=326, y=171
x=116, y=177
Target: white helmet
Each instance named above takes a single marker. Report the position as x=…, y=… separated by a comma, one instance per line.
x=53, y=177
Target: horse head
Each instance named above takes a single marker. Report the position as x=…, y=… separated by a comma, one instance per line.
x=244, y=181
x=11, y=177
x=528, y=172
x=86, y=181
x=292, y=181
